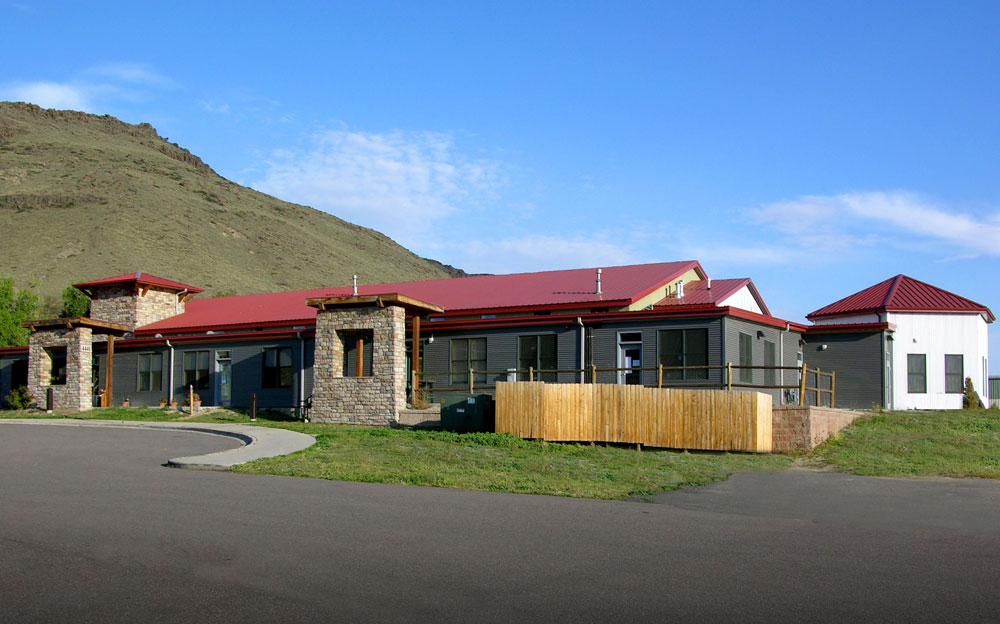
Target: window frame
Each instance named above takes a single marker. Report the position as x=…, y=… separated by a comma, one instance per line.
x=746, y=360
x=960, y=387
x=912, y=374
x=275, y=376
x=57, y=374
x=537, y=363
x=150, y=372
x=685, y=354
x=200, y=382
x=770, y=353
x=468, y=361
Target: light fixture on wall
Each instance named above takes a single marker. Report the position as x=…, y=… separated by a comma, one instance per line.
x=760, y=334
x=430, y=339
x=823, y=348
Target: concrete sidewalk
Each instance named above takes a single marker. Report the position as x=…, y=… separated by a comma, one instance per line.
x=258, y=442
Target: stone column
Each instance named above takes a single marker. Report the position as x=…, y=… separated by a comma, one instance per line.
x=375, y=400
x=76, y=393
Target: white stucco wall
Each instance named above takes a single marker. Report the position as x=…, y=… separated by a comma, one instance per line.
x=744, y=300
x=936, y=335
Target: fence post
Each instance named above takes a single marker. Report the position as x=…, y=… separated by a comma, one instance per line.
x=833, y=387
x=253, y=408
x=471, y=383
x=659, y=375
x=802, y=385
x=531, y=373
x=593, y=374
x=729, y=376
x=819, y=389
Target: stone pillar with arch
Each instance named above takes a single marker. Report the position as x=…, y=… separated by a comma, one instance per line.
x=345, y=323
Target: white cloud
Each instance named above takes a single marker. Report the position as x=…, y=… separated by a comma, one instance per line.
x=132, y=73
x=212, y=107
x=851, y=219
x=48, y=95
x=397, y=182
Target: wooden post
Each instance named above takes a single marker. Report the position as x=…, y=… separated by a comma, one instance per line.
x=729, y=376
x=833, y=387
x=191, y=398
x=593, y=374
x=802, y=386
x=415, y=355
x=108, y=374
x=471, y=383
x=531, y=373
x=659, y=375
x=253, y=407
x=359, y=359
x=819, y=389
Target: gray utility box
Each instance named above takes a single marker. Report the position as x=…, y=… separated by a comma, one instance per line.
x=462, y=412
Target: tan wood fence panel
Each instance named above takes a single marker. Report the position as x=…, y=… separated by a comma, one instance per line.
x=668, y=418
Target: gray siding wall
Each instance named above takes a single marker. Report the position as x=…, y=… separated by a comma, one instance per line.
x=858, y=361
x=786, y=346
x=501, y=351
x=605, y=348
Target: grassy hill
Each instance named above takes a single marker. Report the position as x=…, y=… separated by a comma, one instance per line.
x=84, y=197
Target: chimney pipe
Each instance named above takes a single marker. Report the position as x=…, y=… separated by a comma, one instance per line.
x=598, y=281
x=355, y=285
x=709, y=286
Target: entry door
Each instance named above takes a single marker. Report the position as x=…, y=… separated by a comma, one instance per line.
x=223, y=378
x=630, y=357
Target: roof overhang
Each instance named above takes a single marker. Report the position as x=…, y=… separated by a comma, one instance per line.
x=97, y=326
x=414, y=306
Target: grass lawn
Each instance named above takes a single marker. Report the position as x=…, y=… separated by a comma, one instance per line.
x=502, y=463
x=946, y=443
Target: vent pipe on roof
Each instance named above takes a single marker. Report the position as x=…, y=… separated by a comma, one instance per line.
x=709, y=284
x=680, y=289
x=355, y=285
x=598, y=282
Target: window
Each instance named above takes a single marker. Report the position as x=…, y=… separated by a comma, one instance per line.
x=19, y=373
x=916, y=373
x=770, y=359
x=954, y=375
x=196, y=369
x=538, y=352
x=746, y=358
x=352, y=340
x=277, y=368
x=150, y=372
x=57, y=374
x=684, y=347
x=468, y=353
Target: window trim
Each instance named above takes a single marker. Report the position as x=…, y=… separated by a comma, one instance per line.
x=537, y=365
x=910, y=372
x=961, y=373
x=273, y=380
x=149, y=373
x=685, y=375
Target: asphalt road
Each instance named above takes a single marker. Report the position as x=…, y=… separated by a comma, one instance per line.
x=94, y=529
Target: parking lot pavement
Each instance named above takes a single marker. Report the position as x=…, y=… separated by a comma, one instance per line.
x=93, y=528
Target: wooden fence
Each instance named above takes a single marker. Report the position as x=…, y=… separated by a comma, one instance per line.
x=668, y=418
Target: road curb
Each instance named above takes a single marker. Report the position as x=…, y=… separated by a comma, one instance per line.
x=258, y=442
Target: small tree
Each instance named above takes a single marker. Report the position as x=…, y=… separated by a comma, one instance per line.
x=16, y=307
x=75, y=303
x=970, y=398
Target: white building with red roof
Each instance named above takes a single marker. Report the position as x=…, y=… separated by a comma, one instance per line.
x=931, y=341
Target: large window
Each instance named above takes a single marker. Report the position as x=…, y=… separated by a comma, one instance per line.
x=196, y=369
x=539, y=353
x=916, y=373
x=684, y=347
x=746, y=358
x=57, y=373
x=468, y=353
x=150, y=372
x=954, y=375
x=770, y=359
x=277, y=368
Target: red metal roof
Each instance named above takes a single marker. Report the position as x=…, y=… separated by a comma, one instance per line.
x=902, y=294
x=620, y=285
x=698, y=293
x=139, y=278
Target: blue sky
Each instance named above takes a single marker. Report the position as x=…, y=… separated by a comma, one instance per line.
x=816, y=147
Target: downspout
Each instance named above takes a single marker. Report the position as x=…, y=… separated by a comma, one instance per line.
x=722, y=373
x=170, y=375
x=583, y=363
x=781, y=358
